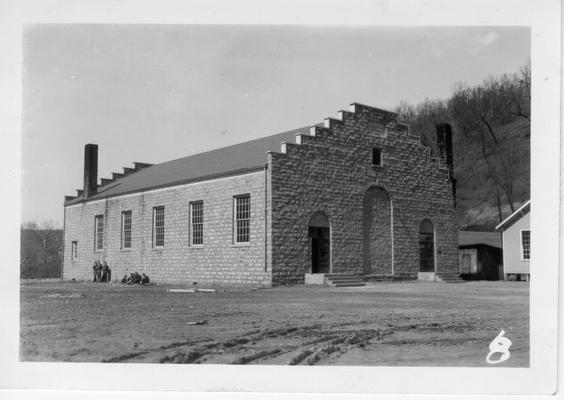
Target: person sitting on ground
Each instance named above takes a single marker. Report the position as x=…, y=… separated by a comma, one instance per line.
x=133, y=278
x=124, y=279
x=144, y=279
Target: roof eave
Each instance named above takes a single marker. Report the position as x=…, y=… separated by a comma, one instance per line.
x=515, y=213
x=171, y=184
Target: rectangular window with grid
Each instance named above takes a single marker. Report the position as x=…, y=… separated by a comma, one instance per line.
x=158, y=226
x=126, y=229
x=98, y=232
x=197, y=223
x=74, y=249
x=242, y=215
x=525, y=245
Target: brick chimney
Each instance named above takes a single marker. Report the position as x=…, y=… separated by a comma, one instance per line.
x=90, y=170
x=444, y=150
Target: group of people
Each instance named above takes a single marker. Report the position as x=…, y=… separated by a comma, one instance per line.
x=102, y=272
x=135, y=278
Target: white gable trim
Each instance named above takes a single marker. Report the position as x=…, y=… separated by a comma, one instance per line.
x=512, y=215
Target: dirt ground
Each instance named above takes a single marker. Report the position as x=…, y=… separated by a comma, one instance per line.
x=384, y=324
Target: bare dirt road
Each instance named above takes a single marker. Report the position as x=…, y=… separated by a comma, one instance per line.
x=384, y=324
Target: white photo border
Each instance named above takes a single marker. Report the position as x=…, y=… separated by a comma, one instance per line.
x=539, y=379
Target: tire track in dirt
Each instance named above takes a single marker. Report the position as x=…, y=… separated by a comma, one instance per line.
x=129, y=356
x=339, y=345
x=256, y=356
x=191, y=356
x=326, y=343
x=235, y=345
x=293, y=345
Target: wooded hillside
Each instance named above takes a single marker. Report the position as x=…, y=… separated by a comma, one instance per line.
x=491, y=140
x=40, y=252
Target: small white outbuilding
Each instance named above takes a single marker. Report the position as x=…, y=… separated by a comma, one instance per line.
x=516, y=238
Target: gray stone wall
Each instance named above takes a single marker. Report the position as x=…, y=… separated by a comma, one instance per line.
x=377, y=234
x=219, y=261
x=332, y=171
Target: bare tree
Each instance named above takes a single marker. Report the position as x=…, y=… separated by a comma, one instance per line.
x=503, y=169
x=476, y=110
x=424, y=118
x=521, y=96
x=482, y=110
x=480, y=115
x=45, y=232
x=495, y=102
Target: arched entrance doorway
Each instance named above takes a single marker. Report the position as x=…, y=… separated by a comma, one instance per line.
x=320, y=243
x=426, y=246
x=377, y=232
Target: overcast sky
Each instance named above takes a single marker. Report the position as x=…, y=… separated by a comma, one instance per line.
x=152, y=93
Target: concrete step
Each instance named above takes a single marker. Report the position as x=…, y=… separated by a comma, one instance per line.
x=388, y=278
x=379, y=277
x=450, y=278
x=343, y=277
x=333, y=275
x=350, y=284
x=343, y=280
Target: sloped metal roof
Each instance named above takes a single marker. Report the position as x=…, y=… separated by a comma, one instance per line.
x=470, y=238
x=231, y=160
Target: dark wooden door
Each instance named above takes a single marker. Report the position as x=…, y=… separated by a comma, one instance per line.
x=426, y=252
x=320, y=249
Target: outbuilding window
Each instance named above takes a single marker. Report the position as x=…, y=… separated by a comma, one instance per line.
x=197, y=223
x=242, y=213
x=126, y=229
x=158, y=226
x=98, y=232
x=525, y=245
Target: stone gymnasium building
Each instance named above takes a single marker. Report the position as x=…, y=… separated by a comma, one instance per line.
x=357, y=194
